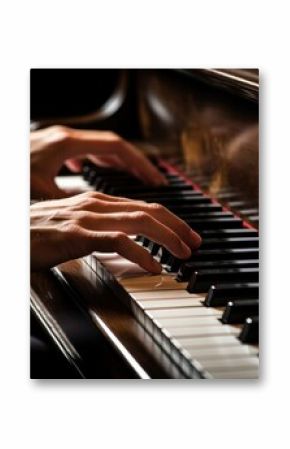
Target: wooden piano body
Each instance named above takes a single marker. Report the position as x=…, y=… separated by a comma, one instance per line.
x=204, y=121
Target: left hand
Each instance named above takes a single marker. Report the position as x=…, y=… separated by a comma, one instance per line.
x=53, y=146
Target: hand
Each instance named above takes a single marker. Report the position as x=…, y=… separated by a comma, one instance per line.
x=73, y=227
x=53, y=146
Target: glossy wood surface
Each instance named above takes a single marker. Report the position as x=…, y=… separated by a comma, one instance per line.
x=72, y=323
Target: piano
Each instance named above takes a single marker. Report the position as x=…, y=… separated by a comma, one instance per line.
x=199, y=318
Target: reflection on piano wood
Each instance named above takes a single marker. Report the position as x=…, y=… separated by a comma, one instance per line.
x=198, y=319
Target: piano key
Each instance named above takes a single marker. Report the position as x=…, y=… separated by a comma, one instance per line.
x=195, y=207
x=231, y=242
x=231, y=364
x=203, y=215
x=250, y=330
x=182, y=195
x=222, y=351
x=187, y=268
x=215, y=223
x=253, y=211
x=235, y=374
x=151, y=282
x=187, y=321
x=224, y=254
x=185, y=312
x=217, y=233
x=238, y=311
x=173, y=264
x=170, y=303
x=73, y=182
x=163, y=294
x=199, y=331
x=200, y=281
x=220, y=294
x=126, y=190
x=105, y=184
x=208, y=341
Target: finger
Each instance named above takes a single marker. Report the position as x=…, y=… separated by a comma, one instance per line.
x=107, y=161
x=87, y=201
x=136, y=223
x=120, y=243
x=142, y=167
x=75, y=165
x=105, y=143
x=104, y=205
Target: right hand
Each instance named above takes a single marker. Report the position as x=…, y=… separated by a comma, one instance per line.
x=74, y=227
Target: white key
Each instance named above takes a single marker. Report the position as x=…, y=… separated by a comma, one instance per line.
x=239, y=350
x=235, y=374
x=231, y=363
x=151, y=282
x=185, y=312
x=168, y=323
x=207, y=341
x=166, y=303
x=200, y=331
x=166, y=294
x=74, y=182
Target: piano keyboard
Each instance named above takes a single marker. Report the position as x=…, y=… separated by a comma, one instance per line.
x=204, y=312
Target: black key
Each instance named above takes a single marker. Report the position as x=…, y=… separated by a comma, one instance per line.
x=86, y=171
x=197, y=210
x=105, y=184
x=219, y=295
x=237, y=311
x=250, y=331
x=153, y=248
x=168, y=196
x=175, y=202
x=231, y=242
x=204, y=215
x=120, y=183
x=200, y=281
x=172, y=177
x=217, y=233
x=126, y=190
x=211, y=255
x=215, y=223
x=226, y=254
x=91, y=179
x=145, y=241
x=165, y=255
x=186, y=269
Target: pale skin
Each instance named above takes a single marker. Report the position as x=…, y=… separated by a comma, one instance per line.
x=66, y=228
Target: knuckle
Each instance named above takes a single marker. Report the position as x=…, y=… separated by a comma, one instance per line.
x=71, y=227
x=62, y=132
x=141, y=216
x=156, y=207
x=92, y=194
x=81, y=217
